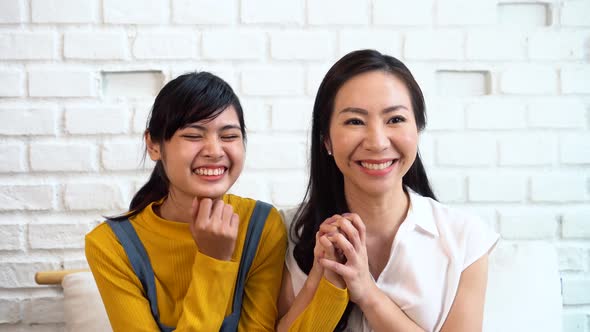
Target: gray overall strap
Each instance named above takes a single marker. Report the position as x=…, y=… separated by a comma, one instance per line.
x=140, y=263
x=143, y=269
x=255, y=227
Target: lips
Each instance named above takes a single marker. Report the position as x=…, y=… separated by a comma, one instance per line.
x=376, y=165
x=210, y=170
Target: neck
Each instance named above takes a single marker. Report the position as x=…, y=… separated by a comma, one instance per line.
x=381, y=213
x=175, y=208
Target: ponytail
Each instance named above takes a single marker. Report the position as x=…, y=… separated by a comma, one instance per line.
x=154, y=190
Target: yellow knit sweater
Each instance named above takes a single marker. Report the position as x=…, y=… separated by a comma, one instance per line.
x=194, y=291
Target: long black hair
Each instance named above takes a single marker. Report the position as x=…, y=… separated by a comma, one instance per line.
x=325, y=190
x=187, y=99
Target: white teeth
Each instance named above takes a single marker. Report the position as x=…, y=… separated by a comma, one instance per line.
x=376, y=166
x=209, y=171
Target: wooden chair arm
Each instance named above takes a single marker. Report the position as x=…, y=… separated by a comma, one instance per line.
x=54, y=277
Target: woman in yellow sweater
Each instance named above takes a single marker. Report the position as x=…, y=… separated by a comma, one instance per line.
x=185, y=256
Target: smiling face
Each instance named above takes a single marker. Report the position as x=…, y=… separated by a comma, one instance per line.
x=373, y=135
x=203, y=159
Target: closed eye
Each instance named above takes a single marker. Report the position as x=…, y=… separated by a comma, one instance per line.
x=230, y=137
x=192, y=137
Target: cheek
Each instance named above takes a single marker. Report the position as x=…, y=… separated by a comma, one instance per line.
x=409, y=139
x=237, y=154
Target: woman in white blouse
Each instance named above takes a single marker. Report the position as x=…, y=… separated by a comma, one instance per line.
x=405, y=261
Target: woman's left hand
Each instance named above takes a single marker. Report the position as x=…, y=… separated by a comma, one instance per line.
x=352, y=241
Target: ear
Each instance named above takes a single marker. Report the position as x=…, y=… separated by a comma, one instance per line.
x=328, y=145
x=153, y=149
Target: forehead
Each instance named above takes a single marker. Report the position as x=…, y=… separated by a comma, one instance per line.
x=374, y=90
x=228, y=116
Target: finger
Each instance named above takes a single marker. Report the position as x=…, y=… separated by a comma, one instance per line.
x=328, y=229
x=347, y=248
x=318, y=250
x=227, y=214
x=342, y=270
x=331, y=219
x=328, y=247
x=351, y=232
x=204, y=212
x=234, y=223
x=358, y=223
x=194, y=208
x=216, y=213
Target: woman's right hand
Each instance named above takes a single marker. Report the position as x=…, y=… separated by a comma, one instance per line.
x=214, y=228
x=324, y=248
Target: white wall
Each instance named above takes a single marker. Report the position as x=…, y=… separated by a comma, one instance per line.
x=507, y=86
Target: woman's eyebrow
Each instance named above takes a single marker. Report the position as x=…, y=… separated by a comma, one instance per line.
x=357, y=110
x=230, y=126
x=354, y=110
x=395, y=108
x=203, y=128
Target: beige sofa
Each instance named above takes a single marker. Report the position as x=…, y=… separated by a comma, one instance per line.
x=524, y=293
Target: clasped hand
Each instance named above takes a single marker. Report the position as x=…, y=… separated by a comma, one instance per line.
x=214, y=227
x=341, y=249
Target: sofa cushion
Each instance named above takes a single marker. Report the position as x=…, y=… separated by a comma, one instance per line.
x=83, y=307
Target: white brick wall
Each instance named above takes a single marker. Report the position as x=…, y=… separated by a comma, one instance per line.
x=11, y=83
x=61, y=82
x=384, y=40
x=507, y=86
x=496, y=114
x=63, y=156
x=481, y=12
x=527, y=150
x=28, y=120
x=348, y=12
x=64, y=11
x=94, y=45
x=11, y=11
x=97, y=119
x=136, y=11
x=233, y=44
x=528, y=223
x=400, y=12
x=293, y=45
x=12, y=157
x=574, y=79
x=438, y=45
x=529, y=79
x=271, y=81
x=204, y=11
x=540, y=114
x=17, y=45
x=496, y=45
x=165, y=45
x=270, y=11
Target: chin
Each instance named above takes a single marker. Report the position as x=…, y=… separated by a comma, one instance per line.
x=213, y=194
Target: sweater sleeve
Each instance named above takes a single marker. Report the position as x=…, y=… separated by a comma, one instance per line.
x=120, y=290
x=259, y=307
x=208, y=295
x=325, y=309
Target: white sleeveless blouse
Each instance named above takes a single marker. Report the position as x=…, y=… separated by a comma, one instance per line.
x=433, y=245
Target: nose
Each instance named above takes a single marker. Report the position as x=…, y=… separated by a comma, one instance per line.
x=212, y=148
x=376, y=139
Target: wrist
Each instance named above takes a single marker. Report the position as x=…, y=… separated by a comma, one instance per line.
x=370, y=299
x=334, y=279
